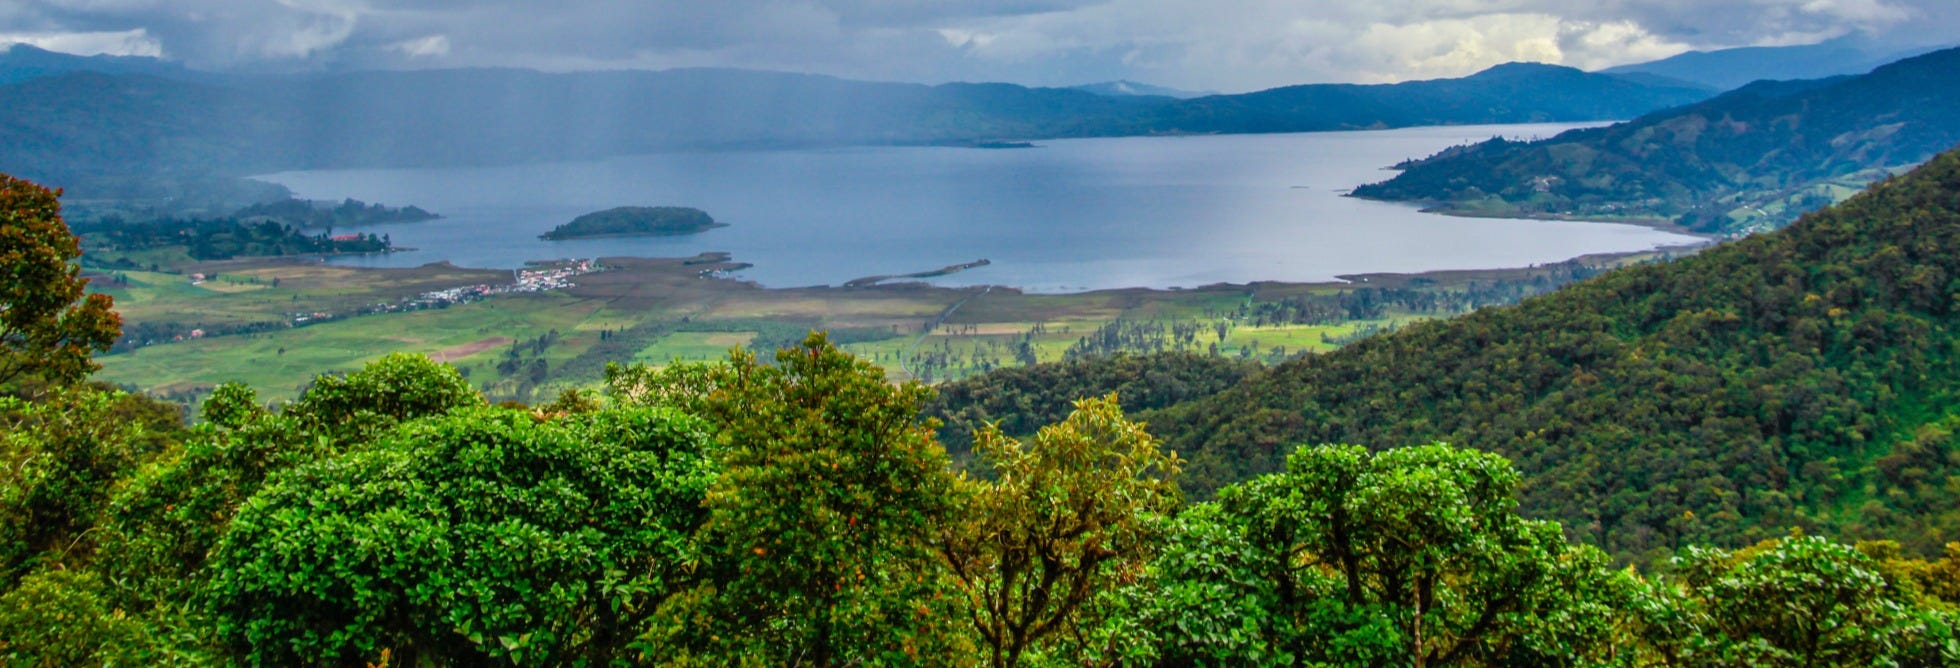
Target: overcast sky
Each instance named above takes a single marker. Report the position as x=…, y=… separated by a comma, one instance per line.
x=1221, y=45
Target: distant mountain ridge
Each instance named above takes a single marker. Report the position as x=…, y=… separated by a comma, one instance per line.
x=1727, y=69
x=1753, y=158
x=1126, y=88
x=20, y=62
x=84, y=124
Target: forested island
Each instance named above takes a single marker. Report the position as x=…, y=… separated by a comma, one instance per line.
x=631, y=221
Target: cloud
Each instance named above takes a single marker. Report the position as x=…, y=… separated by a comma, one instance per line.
x=432, y=46
x=124, y=43
x=1208, y=44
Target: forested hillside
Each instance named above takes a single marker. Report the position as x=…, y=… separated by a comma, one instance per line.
x=1020, y=400
x=1750, y=159
x=1798, y=378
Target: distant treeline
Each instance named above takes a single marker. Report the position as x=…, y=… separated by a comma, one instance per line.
x=309, y=214
x=225, y=238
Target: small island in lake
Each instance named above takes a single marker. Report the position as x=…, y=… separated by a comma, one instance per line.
x=635, y=221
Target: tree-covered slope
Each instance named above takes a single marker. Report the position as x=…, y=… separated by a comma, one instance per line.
x=1752, y=158
x=1021, y=400
x=1800, y=377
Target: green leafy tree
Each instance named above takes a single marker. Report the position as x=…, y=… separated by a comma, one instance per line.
x=166, y=520
x=480, y=535
x=1209, y=598
x=821, y=526
x=64, y=618
x=1416, y=556
x=60, y=458
x=387, y=391
x=48, y=327
x=1795, y=601
x=1068, y=515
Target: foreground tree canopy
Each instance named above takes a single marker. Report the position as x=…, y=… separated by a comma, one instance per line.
x=48, y=327
x=798, y=513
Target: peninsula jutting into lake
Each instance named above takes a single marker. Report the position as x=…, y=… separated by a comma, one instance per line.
x=634, y=221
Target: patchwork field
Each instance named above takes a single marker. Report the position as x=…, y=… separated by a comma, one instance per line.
x=274, y=325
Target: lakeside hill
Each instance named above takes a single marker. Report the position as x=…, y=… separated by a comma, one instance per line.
x=241, y=126
x=627, y=221
x=1509, y=93
x=1804, y=377
x=1750, y=159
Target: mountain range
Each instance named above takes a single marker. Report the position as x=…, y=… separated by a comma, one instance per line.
x=1750, y=159
x=156, y=123
x=1728, y=69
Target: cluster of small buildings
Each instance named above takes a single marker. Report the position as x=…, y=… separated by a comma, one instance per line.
x=555, y=277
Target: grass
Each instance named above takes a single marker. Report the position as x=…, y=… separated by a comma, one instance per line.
x=692, y=347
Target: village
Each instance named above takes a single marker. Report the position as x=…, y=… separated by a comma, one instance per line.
x=554, y=276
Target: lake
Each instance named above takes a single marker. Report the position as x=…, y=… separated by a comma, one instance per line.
x=1070, y=215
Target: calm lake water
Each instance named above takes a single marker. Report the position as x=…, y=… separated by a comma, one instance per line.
x=1070, y=215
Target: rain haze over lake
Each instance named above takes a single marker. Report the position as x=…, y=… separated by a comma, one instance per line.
x=1069, y=215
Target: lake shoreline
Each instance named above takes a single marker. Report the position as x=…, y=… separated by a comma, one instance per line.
x=947, y=270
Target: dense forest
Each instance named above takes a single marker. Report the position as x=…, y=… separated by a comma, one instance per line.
x=224, y=238
x=1019, y=401
x=349, y=212
x=284, y=226
x=799, y=511
x=1764, y=153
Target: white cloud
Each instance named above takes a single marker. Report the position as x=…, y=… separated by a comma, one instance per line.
x=1451, y=47
x=1199, y=44
x=1866, y=12
x=432, y=46
x=135, y=42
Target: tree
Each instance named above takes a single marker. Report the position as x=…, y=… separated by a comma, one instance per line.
x=1070, y=514
x=1416, y=556
x=397, y=387
x=820, y=528
x=48, y=327
x=60, y=459
x=478, y=535
x=1794, y=601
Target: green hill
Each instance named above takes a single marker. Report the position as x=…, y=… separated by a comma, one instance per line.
x=1804, y=377
x=1754, y=158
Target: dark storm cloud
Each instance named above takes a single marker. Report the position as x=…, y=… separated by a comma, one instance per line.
x=1224, y=44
